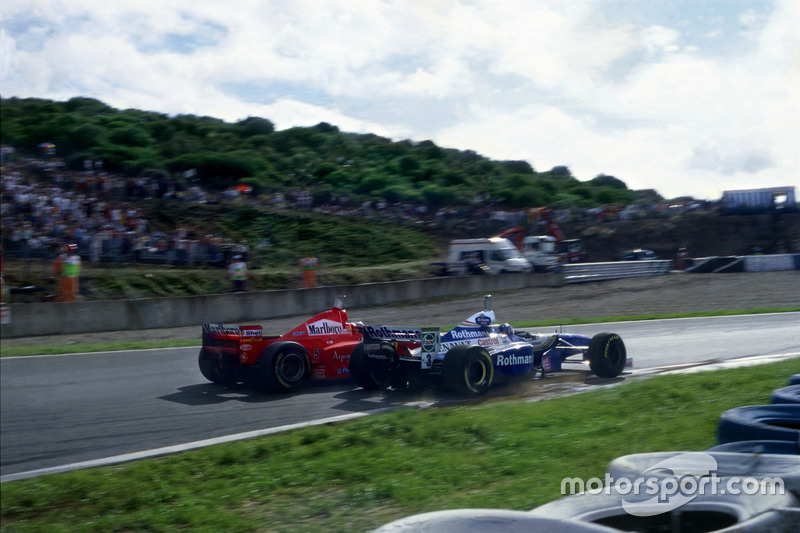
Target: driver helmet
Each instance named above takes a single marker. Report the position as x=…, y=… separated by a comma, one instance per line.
x=506, y=329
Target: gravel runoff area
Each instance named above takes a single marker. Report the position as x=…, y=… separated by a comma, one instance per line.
x=674, y=293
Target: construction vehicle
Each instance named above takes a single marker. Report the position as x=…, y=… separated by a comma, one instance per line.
x=545, y=252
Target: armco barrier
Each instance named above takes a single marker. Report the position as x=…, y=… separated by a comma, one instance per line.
x=57, y=318
x=52, y=318
x=581, y=272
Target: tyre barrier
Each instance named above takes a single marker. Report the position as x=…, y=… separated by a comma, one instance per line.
x=616, y=508
x=790, y=394
x=483, y=520
x=758, y=447
x=716, y=464
x=760, y=422
x=776, y=521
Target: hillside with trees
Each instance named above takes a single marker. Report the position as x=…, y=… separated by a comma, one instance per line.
x=330, y=164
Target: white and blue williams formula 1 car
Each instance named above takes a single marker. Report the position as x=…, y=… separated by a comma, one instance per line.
x=472, y=356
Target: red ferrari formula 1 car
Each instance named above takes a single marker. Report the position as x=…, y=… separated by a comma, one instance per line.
x=319, y=348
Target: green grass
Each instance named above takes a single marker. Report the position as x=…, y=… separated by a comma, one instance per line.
x=655, y=316
x=53, y=349
x=357, y=475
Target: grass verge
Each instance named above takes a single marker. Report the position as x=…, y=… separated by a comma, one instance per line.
x=55, y=349
x=357, y=475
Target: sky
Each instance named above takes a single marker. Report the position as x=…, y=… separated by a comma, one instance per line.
x=687, y=97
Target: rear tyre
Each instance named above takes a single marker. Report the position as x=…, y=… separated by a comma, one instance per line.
x=467, y=370
x=283, y=368
x=217, y=367
x=371, y=374
x=607, y=355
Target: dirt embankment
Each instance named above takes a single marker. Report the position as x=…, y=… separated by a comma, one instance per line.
x=703, y=234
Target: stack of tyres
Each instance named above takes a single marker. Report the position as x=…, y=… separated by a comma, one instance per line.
x=790, y=394
x=704, y=513
x=773, y=428
x=763, y=429
x=760, y=422
x=720, y=465
x=487, y=520
x=673, y=491
x=757, y=443
x=758, y=447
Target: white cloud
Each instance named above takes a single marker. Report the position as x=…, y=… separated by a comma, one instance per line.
x=659, y=38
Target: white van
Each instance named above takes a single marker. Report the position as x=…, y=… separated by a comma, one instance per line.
x=541, y=251
x=493, y=255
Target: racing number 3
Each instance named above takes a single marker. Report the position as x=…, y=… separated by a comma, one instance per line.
x=429, y=347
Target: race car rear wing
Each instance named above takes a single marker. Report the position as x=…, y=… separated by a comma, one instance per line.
x=378, y=333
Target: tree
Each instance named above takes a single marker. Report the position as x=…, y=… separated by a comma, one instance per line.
x=408, y=165
x=86, y=136
x=324, y=127
x=560, y=172
x=130, y=136
x=87, y=106
x=355, y=165
x=255, y=126
x=324, y=169
x=518, y=167
x=602, y=180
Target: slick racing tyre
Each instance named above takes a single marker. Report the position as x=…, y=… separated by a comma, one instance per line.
x=607, y=355
x=790, y=394
x=217, y=367
x=283, y=367
x=371, y=374
x=467, y=370
x=760, y=422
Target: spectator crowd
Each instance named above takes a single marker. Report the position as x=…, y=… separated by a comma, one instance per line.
x=44, y=206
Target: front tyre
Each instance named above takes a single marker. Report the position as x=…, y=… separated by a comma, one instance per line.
x=607, y=355
x=368, y=373
x=467, y=370
x=283, y=368
x=217, y=367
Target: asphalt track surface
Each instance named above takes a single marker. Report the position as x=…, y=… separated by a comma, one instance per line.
x=63, y=410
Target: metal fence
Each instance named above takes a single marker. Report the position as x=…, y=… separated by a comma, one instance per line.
x=580, y=272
